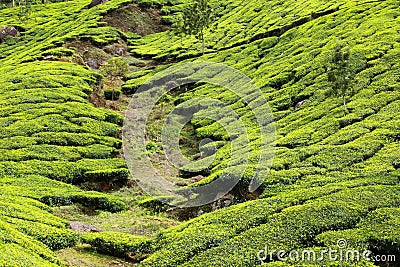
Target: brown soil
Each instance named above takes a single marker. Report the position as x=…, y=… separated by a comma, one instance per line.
x=89, y=55
x=93, y=56
x=97, y=98
x=132, y=18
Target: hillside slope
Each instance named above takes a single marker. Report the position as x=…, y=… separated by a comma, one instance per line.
x=51, y=136
x=334, y=175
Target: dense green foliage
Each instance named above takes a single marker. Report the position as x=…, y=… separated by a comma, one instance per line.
x=50, y=133
x=335, y=174
x=331, y=168
x=118, y=244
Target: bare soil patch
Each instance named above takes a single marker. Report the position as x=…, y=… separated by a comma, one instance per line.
x=132, y=18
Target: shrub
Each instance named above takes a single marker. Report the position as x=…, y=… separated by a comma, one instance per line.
x=21, y=243
x=376, y=232
x=14, y=255
x=118, y=244
x=112, y=94
x=53, y=237
x=107, y=175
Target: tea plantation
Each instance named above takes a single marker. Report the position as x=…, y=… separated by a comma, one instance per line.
x=331, y=169
x=335, y=174
x=51, y=135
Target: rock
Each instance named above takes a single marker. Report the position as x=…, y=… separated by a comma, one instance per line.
x=136, y=257
x=223, y=202
x=301, y=103
x=81, y=227
x=48, y=57
x=171, y=85
x=95, y=63
x=181, y=183
x=119, y=51
x=7, y=31
x=96, y=2
x=200, y=212
x=226, y=203
x=196, y=179
x=92, y=63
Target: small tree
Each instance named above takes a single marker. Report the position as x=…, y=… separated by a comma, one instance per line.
x=341, y=73
x=114, y=68
x=196, y=18
x=25, y=11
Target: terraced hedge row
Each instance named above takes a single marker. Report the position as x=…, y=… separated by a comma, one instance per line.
x=119, y=244
x=331, y=170
x=232, y=233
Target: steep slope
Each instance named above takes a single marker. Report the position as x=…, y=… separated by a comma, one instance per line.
x=51, y=136
x=334, y=174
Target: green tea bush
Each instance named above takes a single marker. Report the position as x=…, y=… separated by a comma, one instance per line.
x=53, y=237
x=14, y=255
x=107, y=175
x=376, y=232
x=118, y=244
x=13, y=241
x=213, y=230
x=51, y=132
x=289, y=229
